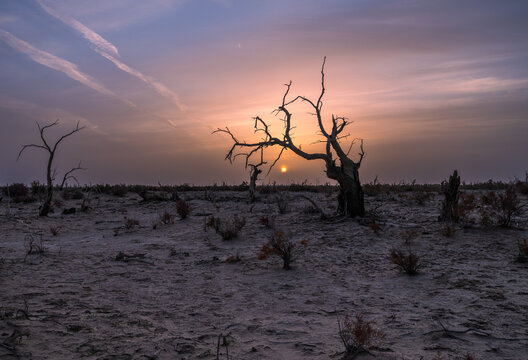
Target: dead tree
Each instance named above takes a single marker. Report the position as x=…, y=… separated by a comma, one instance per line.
x=346, y=172
x=451, y=195
x=50, y=149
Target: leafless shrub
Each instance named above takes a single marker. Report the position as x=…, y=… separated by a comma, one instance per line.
x=281, y=246
x=408, y=262
x=19, y=193
x=375, y=226
x=358, y=335
x=466, y=206
x=74, y=194
x=164, y=219
x=16, y=190
x=498, y=209
x=54, y=230
x=283, y=201
x=228, y=229
x=449, y=231
x=167, y=218
x=128, y=225
x=34, y=245
x=131, y=223
x=37, y=188
x=268, y=221
x=183, y=208
x=422, y=197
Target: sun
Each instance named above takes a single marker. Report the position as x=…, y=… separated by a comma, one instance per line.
x=284, y=169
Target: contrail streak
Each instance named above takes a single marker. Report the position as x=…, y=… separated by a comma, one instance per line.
x=109, y=51
x=58, y=64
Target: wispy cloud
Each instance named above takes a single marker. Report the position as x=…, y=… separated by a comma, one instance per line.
x=4, y=18
x=152, y=82
x=109, y=51
x=42, y=113
x=95, y=39
x=57, y=63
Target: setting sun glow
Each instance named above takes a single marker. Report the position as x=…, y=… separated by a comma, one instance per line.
x=284, y=169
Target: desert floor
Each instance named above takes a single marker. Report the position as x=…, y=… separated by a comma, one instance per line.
x=175, y=289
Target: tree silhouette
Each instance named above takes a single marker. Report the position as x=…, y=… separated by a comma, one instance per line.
x=51, y=148
x=346, y=173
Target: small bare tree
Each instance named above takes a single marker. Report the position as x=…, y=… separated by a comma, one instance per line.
x=346, y=173
x=50, y=172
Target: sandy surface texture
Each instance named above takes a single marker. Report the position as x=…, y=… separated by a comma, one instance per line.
x=169, y=290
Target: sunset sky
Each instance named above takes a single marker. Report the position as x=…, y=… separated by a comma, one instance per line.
x=429, y=86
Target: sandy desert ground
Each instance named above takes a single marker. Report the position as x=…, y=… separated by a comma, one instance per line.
x=174, y=289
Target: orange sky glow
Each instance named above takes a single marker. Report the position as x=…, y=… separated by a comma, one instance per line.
x=427, y=91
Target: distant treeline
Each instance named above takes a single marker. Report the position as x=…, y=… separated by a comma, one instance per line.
x=19, y=190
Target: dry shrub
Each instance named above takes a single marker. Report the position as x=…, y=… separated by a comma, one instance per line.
x=54, y=230
x=183, y=208
x=466, y=205
x=283, y=201
x=34, y=245
x=499, y=208
x=408, y=263
x=228, y=229
x=167, y=218
x=37, y=188
x=16, y=190
x=358, y=335
x=281, y=246
x=449, y=231
x=422, y=197
x=131, y=223
x=267, y=221
x=19, y=193
x=164, y=219
x=375, y=226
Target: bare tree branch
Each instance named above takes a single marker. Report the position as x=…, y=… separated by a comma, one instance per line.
x=68, y=175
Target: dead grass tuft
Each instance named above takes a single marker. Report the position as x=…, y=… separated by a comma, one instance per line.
x=408, y=262
x=358, y=335
x=228, y=229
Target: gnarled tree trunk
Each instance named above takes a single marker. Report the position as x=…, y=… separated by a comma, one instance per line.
x=350, y=199
x=46, y=206
x=255, y=172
